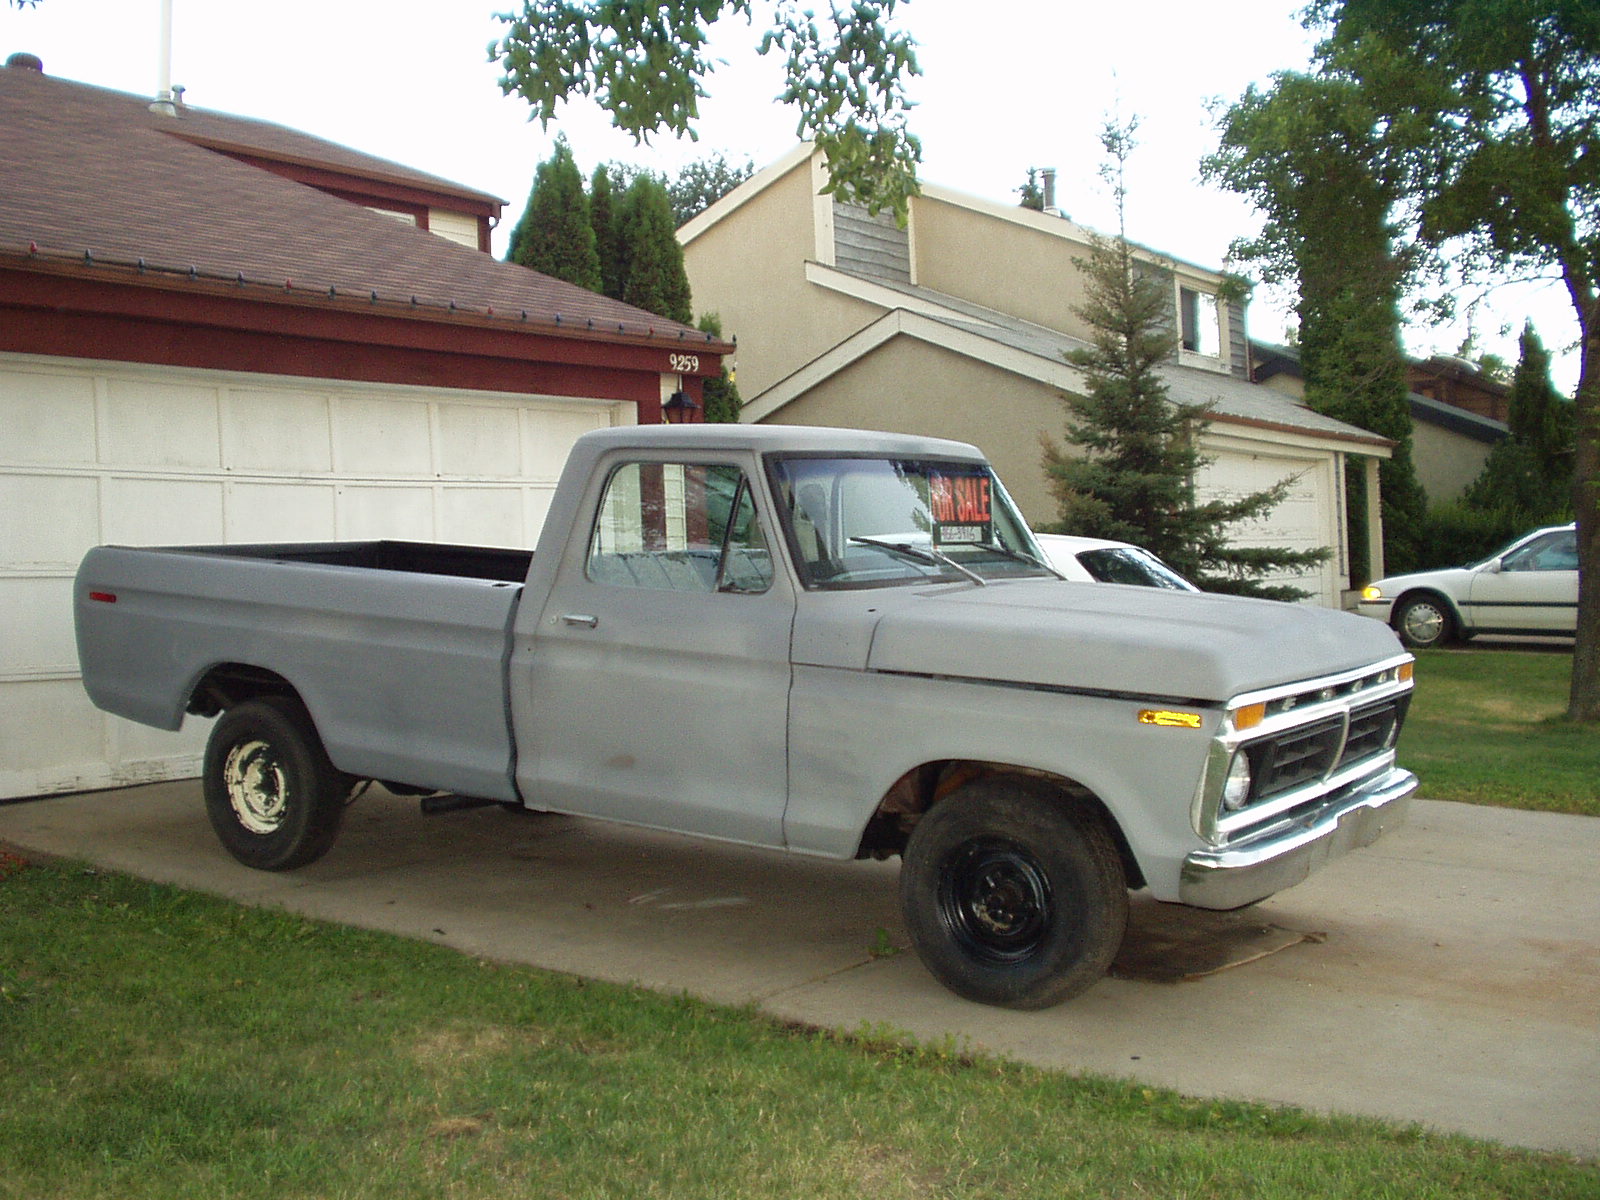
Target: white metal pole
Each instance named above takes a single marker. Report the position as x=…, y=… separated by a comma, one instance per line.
x=164, y=101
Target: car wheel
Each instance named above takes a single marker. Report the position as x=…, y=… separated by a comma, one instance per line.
x=273, y=798
x=1012, y=896
x=1424, y=622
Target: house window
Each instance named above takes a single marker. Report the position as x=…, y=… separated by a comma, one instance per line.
x=1200, y=319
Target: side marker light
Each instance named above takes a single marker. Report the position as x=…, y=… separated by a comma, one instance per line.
x=1169, y=720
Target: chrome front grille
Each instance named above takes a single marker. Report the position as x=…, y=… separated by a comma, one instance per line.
x=1305, y=743
x=1373, y=729
x=1294, y=758
x=1314, y=752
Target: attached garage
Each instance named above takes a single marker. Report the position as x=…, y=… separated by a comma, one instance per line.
x=1308, y=518
x=95, y=453
x=259, y=360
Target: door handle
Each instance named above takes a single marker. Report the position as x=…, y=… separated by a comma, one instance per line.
x=582, y=619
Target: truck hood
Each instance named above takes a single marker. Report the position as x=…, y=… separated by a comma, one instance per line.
x=1143, y=641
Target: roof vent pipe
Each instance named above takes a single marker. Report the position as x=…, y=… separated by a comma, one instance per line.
x=25, y=61
x=1048, y=175
x=164, y=102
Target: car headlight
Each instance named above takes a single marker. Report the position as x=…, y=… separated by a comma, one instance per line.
x=1372, y=592
x=1236, y=787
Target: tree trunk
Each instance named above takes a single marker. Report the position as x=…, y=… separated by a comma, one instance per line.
x=1584, y=702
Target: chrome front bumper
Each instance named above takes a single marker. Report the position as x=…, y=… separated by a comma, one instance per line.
x=1282, y=855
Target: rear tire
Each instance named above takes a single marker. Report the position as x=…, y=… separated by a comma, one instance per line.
x=274, y=799
x=1013, y=896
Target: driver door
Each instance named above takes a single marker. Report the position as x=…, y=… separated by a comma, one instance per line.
x=1534, y=588
x=660, y=670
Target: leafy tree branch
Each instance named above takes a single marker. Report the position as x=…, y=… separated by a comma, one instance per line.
x=844, y=70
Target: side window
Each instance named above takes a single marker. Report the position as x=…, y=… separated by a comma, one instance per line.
x=1200, y=321
x=683, y=527
x=1557, y=552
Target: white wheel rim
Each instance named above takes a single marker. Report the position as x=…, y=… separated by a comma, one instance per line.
x=257, y=786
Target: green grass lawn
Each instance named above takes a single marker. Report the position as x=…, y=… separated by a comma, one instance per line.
x=1486, y=727
x=157, y=1043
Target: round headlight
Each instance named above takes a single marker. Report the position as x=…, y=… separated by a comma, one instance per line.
x=1236, y=788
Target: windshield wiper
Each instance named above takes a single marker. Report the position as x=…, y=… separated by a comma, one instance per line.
x=1019, y=556
x=923, y=554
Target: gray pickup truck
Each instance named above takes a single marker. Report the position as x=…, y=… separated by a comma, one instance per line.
x=832, y=642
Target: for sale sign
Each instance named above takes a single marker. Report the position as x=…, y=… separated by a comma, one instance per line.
x=961, y=507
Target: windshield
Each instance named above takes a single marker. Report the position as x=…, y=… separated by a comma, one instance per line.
x=881, y=522
x=1129, y=564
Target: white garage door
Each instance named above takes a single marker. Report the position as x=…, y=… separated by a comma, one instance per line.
x=96, y=452
x=1306, y=520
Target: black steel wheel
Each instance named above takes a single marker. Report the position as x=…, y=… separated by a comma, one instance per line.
x=1013, y=895
x=274, y=799
x=996, y=901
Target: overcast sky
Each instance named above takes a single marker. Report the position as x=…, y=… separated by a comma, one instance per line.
x=1006, y=85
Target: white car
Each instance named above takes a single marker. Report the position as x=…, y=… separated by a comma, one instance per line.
x=1529, y=587
x=1096, y=560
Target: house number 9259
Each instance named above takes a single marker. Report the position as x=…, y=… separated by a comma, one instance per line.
x=688, y=363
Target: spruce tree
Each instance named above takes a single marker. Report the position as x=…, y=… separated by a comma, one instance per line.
x=554, y=235
x=1135, y=478
x=1032, y=192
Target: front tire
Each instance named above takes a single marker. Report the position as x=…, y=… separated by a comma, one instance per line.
x=1013, y=896
x=1425, y=622
x=274, y=799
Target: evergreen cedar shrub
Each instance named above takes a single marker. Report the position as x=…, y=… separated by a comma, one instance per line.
x=654, y=276
x=1530, y=473
x=1456, y=535
x=554, y=235
x=630, y=249
x=722, y=402
x=1526, y=481
x=603, y=197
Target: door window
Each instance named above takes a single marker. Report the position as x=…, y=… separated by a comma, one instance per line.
x=686, y=527
x=1555, y=552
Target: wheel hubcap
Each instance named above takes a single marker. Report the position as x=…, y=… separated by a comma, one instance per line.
x=996, y=900
x=1424, y=623
x=257, y=786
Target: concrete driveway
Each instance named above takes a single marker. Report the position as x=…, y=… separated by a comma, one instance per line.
x=1448, y=975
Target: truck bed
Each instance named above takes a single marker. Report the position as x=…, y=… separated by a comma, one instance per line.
x=398, y=649
x=411, y=558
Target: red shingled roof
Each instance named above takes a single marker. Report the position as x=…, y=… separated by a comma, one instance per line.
x=93, y=178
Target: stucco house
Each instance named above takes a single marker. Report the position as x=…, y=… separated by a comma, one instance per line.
x=1457, y=414
x=215, y=329
x=957, y=324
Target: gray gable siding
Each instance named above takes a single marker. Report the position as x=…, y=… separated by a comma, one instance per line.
x=1238, y=341
x=871, y=246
